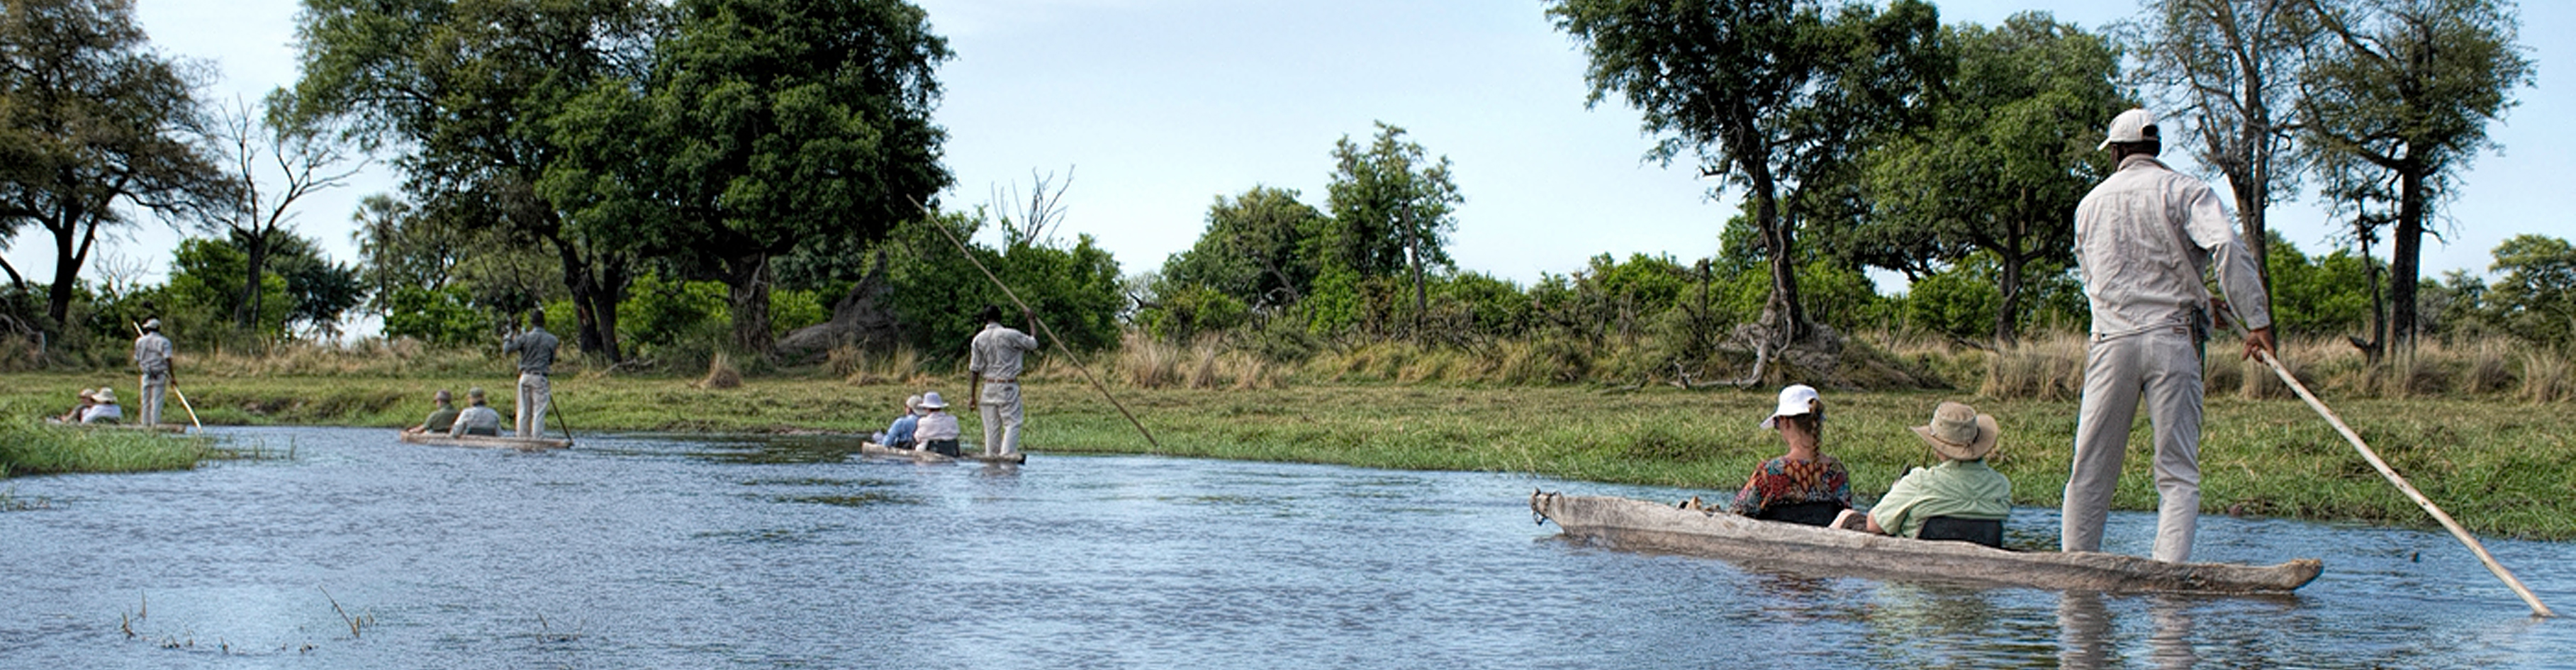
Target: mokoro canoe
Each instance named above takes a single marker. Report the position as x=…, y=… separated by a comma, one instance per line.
x=1648, y=526
x=926, y=456
x=488, y=442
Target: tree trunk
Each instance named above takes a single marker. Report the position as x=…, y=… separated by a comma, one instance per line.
x=2005, y=333
x=246, y=311
x=2402, y=258
x=1780, y=313
x=594, y=298
x=748, y=279
x=68, y=256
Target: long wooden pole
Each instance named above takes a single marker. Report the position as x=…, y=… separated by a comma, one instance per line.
x=2457, y=531
x=932, y=219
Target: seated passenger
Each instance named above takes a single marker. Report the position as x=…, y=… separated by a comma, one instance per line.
x=105, y=411
x=477, y=419
x=440, y=420
x=900, y=433
x=1960, y=498
x=77, y=411
x=937, y=430
x=1804, y=485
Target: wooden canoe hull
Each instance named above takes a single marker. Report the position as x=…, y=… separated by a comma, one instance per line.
x=1647, y=526
x=925, y=456
x=488, y=442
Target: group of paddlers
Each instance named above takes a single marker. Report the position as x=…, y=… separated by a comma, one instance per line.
x=2144, y=238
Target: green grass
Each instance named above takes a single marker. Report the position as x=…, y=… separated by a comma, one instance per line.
x=29, y=447
x=2500, y=466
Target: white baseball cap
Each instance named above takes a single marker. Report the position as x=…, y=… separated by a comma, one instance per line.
x=2129, y=126
x=1795, y=400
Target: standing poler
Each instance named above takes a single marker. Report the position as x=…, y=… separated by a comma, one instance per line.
x=2143, y=237
x=536, y=350
x=993, y=360
x=152, y=358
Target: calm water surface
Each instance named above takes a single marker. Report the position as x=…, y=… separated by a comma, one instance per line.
x=695, y=553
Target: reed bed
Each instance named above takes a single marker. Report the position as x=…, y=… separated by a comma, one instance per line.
x=30, y=447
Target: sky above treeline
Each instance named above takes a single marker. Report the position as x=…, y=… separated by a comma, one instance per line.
x=1153, y=108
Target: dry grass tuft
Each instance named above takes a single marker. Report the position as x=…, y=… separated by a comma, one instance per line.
x=2049, y=367
x=866, y=368
x=2547, y=377
x=721, y=374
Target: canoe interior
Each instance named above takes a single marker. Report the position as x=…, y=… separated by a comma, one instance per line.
x=488, y=442
x=1662, y=528
x=924, y=456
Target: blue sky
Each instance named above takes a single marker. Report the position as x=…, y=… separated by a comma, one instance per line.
x=1156, y=107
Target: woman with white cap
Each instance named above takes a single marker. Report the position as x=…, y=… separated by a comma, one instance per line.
x=937, y=429
x=1803, y=486
x=1960, y=498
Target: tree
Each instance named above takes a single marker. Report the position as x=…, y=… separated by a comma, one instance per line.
x=2535, y=296
x=2231, y=66
x=1253, y=250
x=1773, y=95
x=768, y=122
x=475, y=92
x=91, y=117
x=2406, y=88
x=306, y=160
x=2010, y=152
x=1391, y=209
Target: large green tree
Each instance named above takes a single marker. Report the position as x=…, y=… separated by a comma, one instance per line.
x=2399, y=93
x=2535, y=296
x=92, y=120
x=276, y=156
x=2009, y=154
x=1772, y=95
x=2231, y=67
x=1252, y=250
x=473, y=92
x=774, y=121
x=1391, y=209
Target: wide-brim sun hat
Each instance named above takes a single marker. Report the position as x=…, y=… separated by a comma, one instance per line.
x=104, y=396
x=1957, y=432
x=932, y=400
x=1795, y=400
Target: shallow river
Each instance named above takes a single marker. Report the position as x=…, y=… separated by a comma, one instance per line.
x=696, y=553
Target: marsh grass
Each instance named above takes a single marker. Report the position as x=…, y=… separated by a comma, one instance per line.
x=29, y=447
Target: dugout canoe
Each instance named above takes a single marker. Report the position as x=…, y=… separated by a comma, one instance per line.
x=924, y=456
x=488, y=442
x=1656, y=527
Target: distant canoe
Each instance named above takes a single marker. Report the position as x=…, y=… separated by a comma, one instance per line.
x=487, y=441
x=926, y=456
x=155, y=428
x=1655, y=527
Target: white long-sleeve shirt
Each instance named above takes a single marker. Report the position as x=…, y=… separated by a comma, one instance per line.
x=2144, y=238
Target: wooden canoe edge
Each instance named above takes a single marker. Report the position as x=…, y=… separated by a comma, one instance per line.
x=1646, y=526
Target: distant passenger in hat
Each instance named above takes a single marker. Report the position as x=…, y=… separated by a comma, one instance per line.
x=477, y=419
x=440, y=420
x=900, y=433
x=1959, y=498
x=74, y=416
x=937, y=429
x=1802, y=486
x=103, y=408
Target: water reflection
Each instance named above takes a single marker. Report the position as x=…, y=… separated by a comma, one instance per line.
x=2090, y=639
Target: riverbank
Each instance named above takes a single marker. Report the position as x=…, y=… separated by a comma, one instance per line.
x=30, y=447
x=2498, y=467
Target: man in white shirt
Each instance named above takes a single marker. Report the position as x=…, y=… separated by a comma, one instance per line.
x=993, y=360
x=2144, y=237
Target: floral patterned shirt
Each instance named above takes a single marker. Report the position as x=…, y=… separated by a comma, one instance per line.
x=1781, y=481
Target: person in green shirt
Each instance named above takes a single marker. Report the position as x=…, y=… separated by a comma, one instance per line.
x=439, y=419
x=1958, y=499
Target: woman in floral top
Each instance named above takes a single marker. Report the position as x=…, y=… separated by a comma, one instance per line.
x=1804, y=485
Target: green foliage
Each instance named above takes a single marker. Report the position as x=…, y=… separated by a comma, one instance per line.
x=1182, y=313
x=1255, y=250
x=443, y=316
x=2319, y=295
x=937, y=292
x=790, y=309
x=1391, y=207
x=207, y=273
x=2535, y=299
x=660, y=313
